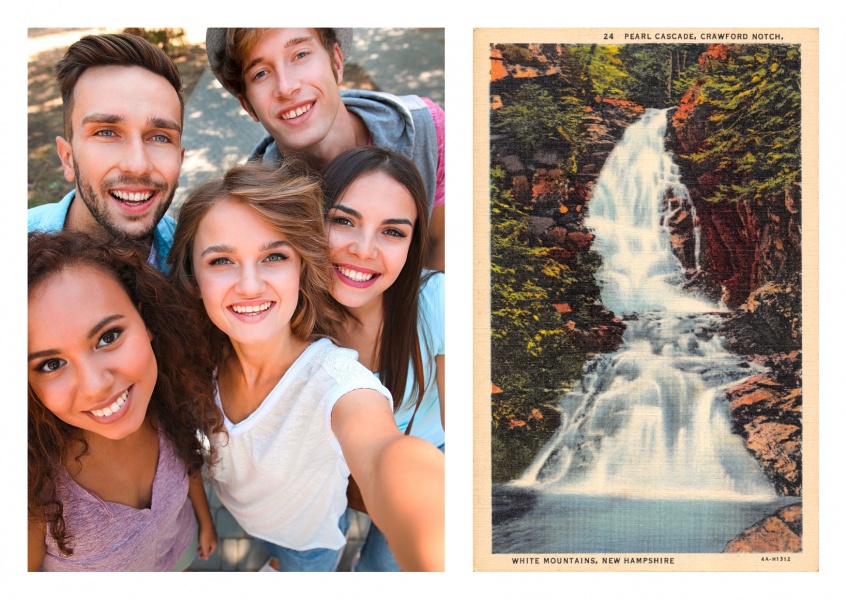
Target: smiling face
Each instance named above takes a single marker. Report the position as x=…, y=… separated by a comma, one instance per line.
x=90, y=359
x=370, y=229
x=125, y=151
x=291, y=87
x=248, y=274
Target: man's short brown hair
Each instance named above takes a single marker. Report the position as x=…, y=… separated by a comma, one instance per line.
x=111, y=49
x=227, y=61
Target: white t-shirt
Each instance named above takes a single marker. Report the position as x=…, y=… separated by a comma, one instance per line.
x=282, y=474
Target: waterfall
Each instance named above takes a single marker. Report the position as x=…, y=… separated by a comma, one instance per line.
x=629, y=214
x=647, y=421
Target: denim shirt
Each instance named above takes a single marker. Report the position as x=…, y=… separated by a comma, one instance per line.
x=51, y=218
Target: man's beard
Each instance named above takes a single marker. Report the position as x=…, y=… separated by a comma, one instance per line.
x=98, y=207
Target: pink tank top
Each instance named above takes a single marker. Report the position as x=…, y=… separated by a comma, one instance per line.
x=108, y=536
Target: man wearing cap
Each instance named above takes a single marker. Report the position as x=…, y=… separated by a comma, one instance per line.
x=287, y=79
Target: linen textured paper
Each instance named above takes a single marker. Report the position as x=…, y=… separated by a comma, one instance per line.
x=645, y=299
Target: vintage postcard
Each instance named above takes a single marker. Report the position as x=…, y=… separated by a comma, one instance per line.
x=645, y=300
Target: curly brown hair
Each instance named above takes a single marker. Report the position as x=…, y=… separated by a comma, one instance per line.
x=287, y=198
x=182, y=405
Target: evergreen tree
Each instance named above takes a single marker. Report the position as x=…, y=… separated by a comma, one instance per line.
x=753, y=98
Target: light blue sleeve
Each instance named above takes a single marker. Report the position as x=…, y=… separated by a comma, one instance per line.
x=432, y=311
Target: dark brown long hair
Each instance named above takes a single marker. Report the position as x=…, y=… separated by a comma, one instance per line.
x=287, y=198
x=182, y=405
x=399, y=342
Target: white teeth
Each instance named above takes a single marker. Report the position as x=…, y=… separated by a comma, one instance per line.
x=355, y=275
x=250, y=310
x=110, y=410
x=296, y=112
x=132, y=197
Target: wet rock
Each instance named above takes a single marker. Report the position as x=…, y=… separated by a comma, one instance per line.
x=781, y=532
x=770, y=321
x=508, y=503
x=702, y=285
x=579, y=239
x=598, y=340
x=538, y=225
x=766, y=411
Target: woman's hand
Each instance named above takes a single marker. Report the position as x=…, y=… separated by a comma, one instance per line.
x=206, y=541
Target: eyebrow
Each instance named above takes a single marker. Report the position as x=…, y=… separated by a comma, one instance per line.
x=103, y=322
x=276, y=244
x=163, y=123
x=288, y=44
x=222, y=248
x=227, y=249
x=91, y=333
x=298, y=40
x=357, y=215
x=112, y=119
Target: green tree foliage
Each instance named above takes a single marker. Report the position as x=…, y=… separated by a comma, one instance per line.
x=532, y=116
x=600, y=70
x=752, y=96
x=533, y=354
x=656, y=71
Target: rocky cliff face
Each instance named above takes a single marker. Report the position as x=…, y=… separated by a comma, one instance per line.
x=751, y=260
x=767, y=414
x=747, y=242
x=557, y=203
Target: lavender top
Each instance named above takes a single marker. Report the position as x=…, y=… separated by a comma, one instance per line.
x=108, y=536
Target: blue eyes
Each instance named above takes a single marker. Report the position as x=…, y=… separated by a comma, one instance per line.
x=223, y=261
x=159, y=138
x=262, y=73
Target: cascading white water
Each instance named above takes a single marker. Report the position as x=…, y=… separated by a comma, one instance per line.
x=629, y=216
x=646, y=421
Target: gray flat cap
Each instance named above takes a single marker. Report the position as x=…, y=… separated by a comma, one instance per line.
x=215, y=37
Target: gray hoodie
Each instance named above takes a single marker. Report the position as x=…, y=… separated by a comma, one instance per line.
x=401, y=123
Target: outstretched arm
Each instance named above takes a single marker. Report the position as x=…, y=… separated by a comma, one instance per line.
x=206, y=534
x=401, y=479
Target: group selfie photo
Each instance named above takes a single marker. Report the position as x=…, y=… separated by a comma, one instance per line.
x=236, y=300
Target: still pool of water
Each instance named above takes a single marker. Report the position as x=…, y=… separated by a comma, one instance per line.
x=534, y=522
